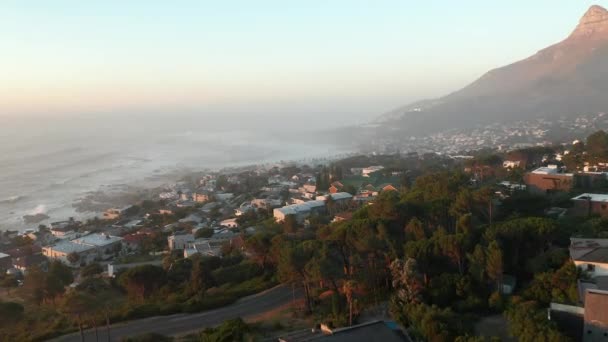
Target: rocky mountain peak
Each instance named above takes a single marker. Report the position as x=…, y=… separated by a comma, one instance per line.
x=593, y=22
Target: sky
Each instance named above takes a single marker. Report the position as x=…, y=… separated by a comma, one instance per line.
x=347, y=58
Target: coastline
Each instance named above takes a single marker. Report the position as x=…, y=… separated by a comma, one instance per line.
x=93, y=203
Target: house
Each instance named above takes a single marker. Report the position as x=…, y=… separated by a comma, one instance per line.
x=201, y=196
x=89, y=248
x=179, y=241
x=192, y=218
x=266, y=203
x=310, y=188
x=590, y=204
x=224, y=196
x=165, y=212
x=335, y=187
x=590, y=255
x=24, y=263
x=5, y=262
x=366, y=172
x=112, y=214
x=387, y=187
x=243, y=209
x=132, y=242
x=61, y=231
x=548, y=179
x=596, y=316
x=230, y=223
x=511, y=164
x=344, y=216
x=299, y=211
x=341, y=199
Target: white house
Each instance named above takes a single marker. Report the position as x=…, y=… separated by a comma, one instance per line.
x=88, y=248
x=366, y=172
x=230, y=223
x=299, y=211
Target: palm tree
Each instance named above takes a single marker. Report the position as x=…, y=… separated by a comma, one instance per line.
x=349, y=288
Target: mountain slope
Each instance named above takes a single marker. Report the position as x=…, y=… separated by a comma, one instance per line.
x=568, y=78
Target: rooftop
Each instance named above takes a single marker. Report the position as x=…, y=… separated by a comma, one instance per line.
x=598, y=255
x=68, y=247
x=302, y=207
x=97, y=240
x=592, y=197
x=550, y=171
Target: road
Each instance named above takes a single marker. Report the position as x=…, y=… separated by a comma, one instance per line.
x=180, y=324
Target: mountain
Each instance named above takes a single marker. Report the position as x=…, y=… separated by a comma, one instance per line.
x=565, y=79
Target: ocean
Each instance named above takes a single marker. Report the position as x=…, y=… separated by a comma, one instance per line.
x=46, y=165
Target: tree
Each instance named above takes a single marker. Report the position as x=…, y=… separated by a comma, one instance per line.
x=453, y=247
x=349, y=289
x=406, y=281
x=62, y=272
x=528, y=323
x=290, y=224
x=494, y=264
x=10, y=312
x=91, y=270
x=204, y=233
x=9, y=282
x=34, y=284
x=477, y=264
x=73, y=257
x=415, y=230
x=597, y=146
x=200, y=277
x=141, y=281
x=77, y=305
x=260, y=245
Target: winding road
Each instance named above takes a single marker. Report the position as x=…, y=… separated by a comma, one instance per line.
x=180, y=324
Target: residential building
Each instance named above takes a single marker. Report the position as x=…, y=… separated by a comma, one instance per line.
x=590, y=204
x=335, y=187
x=179, y=241
x=201, y=196
x=299, y=211
x=590, y=255
x=89, y=248
x=511, y=164
x=24, y=263
x=112, y=214
x=311, y=188
x=366, y=172
x=341, y=199
x=61, y=231
x=5, y=262
x=230, y=223
x=548, y=179
x=596, y=316
x=224, y=196
x=133, y=242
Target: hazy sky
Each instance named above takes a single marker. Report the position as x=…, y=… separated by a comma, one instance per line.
x=283, y=57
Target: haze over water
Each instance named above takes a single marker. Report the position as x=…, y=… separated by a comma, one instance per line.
x=48, y=164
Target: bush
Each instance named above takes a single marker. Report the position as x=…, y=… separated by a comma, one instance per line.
x=237, y=273
x=496, y=302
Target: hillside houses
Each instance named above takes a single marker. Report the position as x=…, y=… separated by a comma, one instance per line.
x=88, y=248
